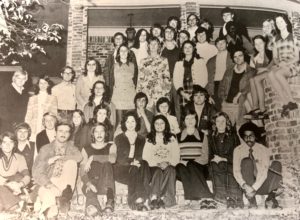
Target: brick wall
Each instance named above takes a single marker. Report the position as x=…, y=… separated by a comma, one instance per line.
x=283, y=134
x=100, y=46
x=77, y=37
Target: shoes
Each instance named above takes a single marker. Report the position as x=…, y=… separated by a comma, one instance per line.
x=256, y=114
x=140, y=206
x=92, y=211
x=287, y=108
x=208, y=204
x=109, y=207
x=156, y=204
x=230, y=203
x=252, y=203
x=271, y=201
x=64, y=202
x=161, y=204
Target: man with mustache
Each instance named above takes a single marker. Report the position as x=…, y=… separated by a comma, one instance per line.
x=253, y=170
x=55, y=170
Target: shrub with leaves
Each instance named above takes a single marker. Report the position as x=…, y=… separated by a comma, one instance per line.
x=20, y=35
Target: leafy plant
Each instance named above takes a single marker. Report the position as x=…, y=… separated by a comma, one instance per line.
x=21, y=37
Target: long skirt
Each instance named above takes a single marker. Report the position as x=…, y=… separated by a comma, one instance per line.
x=136, y=178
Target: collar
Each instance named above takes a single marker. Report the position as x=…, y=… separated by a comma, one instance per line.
x=289, y=37
x=19, y=90
x=240, y=71
x=184, y=134
x=22, y=147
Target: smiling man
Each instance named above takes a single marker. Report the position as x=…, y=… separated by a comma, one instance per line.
x=235, y=86
x=253, y=169
x=13, y=109
x=55, y=168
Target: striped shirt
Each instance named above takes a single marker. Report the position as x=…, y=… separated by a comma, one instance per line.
x=191, y=146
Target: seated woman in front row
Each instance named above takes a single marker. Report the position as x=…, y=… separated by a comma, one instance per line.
x=97, y=172
x=14, y=174
x=130, y=169
x=192, y=170
x=222, y=141
x=161, y=151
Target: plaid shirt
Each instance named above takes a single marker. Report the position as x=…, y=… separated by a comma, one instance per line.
x=286, y=52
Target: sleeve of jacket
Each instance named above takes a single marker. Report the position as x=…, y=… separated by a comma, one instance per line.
x=78, y=89
x=211, y=65
x=245, y=81
x=224, y=84
x=40, y=167
x=178, y=76
x=29, y=112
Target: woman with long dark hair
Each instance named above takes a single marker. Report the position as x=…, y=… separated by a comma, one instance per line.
x=97, y=172
x=39, y=104
x=286, y=59
x=125, y=85
x=161, y=151
x=222, y=140
x=92, y=73
x=140, y=46
x=101, y=114
x=130, y=168
x=189, y=71
x=99, y=95
x=261, y=63
x=79, y=122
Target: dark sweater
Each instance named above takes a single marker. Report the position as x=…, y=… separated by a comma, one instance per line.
x=41, y=140
x=123, y=149
x=172, y=56
x=13, y=107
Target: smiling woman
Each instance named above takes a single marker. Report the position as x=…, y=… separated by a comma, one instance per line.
x=14, y=174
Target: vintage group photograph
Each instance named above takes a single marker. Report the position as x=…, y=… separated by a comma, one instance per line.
x=138, y=109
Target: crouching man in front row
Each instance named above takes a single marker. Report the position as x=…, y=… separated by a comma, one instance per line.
x=55, y=169
x=252, y=168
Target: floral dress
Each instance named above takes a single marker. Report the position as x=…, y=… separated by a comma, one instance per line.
x=154, y=79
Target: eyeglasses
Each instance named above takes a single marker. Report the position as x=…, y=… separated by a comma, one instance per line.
x=251, y=136
x=68, y=73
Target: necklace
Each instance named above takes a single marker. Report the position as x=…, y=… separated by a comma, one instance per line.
x=6, y=165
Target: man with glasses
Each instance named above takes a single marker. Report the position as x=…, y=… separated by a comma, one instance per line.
x=65, y=93
x=13, y=101
x=253, y=170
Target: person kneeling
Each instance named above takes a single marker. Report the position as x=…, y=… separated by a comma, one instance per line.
x=252, y=169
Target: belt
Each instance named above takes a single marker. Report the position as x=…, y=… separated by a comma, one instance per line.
x=65, y=111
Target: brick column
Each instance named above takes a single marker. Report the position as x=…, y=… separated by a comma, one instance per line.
x=77, y=37
x=283, y=134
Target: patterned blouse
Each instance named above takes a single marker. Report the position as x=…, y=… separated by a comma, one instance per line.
x=154, y=79
x=285, y=51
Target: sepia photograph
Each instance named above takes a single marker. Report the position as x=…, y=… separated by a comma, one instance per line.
x=150, y=110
